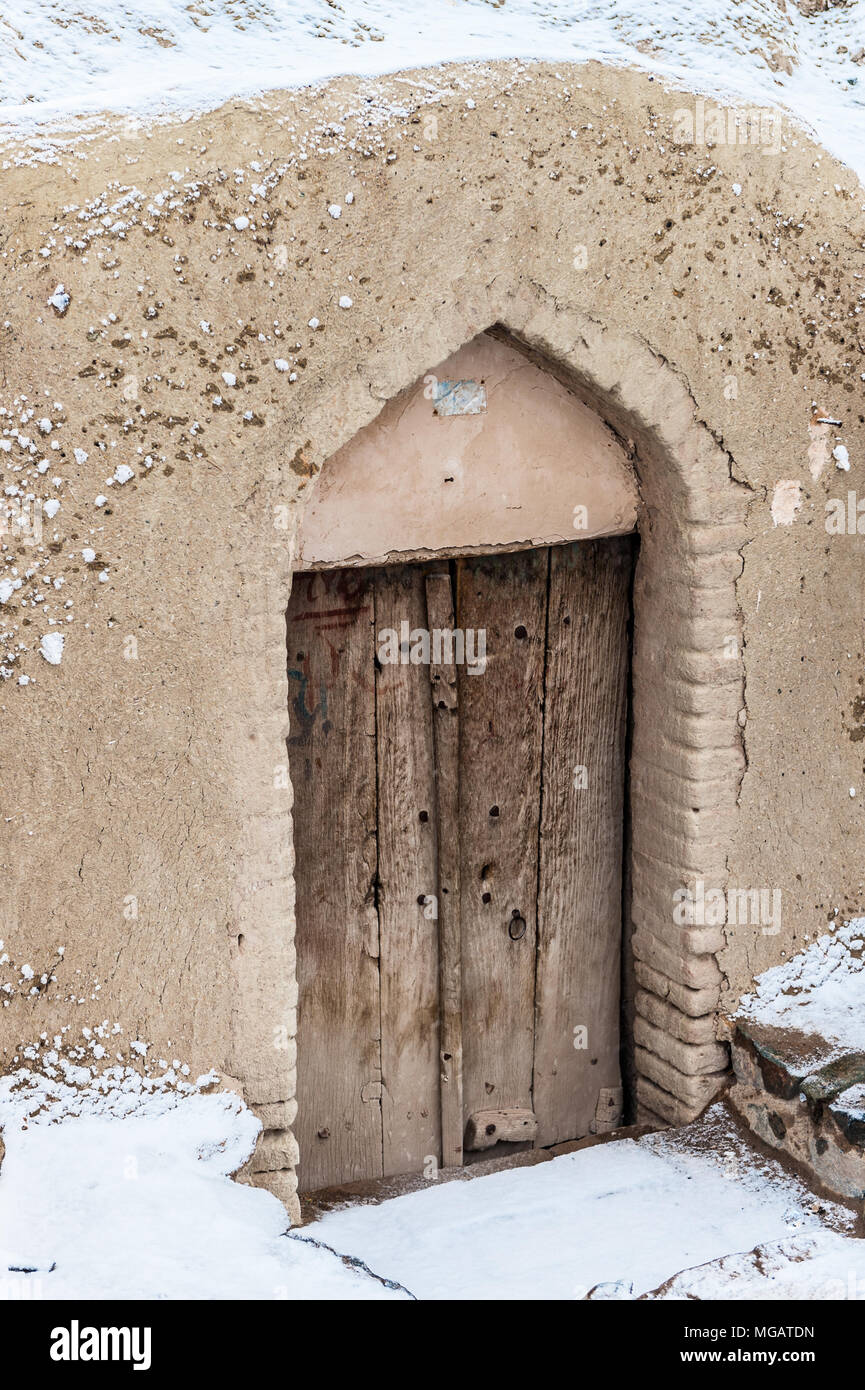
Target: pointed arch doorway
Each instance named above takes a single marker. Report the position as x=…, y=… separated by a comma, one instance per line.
x=458, y=671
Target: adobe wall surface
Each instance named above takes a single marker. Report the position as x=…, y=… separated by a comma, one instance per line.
x=711, y=296
x=494, y=453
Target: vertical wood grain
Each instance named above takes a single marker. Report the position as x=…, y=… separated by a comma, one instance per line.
x=443, y=681
x=580, y=903
x=332, y=762
x=500, y=773
x=408, y=927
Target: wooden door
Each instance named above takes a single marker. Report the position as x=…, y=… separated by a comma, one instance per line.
x=458, y=843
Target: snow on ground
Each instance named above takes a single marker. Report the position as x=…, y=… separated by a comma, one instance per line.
x=819, y=992
x=149, y=57
x=627, y=1214
x=820, y=1266
x=132, y=1198
x=120, y=1187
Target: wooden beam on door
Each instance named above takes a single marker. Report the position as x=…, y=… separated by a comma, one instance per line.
x=504, y=596
x=576, y=1063
x=443, y=679
x=408, y=929
x=331, y=751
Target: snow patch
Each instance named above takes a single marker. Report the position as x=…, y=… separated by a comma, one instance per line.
x=60, y=300
x=626, y=1213
x=841, y=457
x=147, y=1207
x=67, y=60
x=51, y=647
x=819, y=992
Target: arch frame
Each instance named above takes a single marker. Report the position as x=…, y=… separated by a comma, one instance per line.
x=687, y=686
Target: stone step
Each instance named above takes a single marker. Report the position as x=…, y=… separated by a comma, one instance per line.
x=805, y=1096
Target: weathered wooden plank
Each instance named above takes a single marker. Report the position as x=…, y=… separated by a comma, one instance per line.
x=500, y=767
x=408, y=929
x=332, y=761
x=443, y=680
x=580, y=904
x=485, y=1128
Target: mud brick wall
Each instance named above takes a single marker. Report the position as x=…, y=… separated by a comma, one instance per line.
x=705, y=302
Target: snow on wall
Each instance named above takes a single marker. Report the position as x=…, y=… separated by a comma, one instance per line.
x=141, y=58
x=819, y=991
